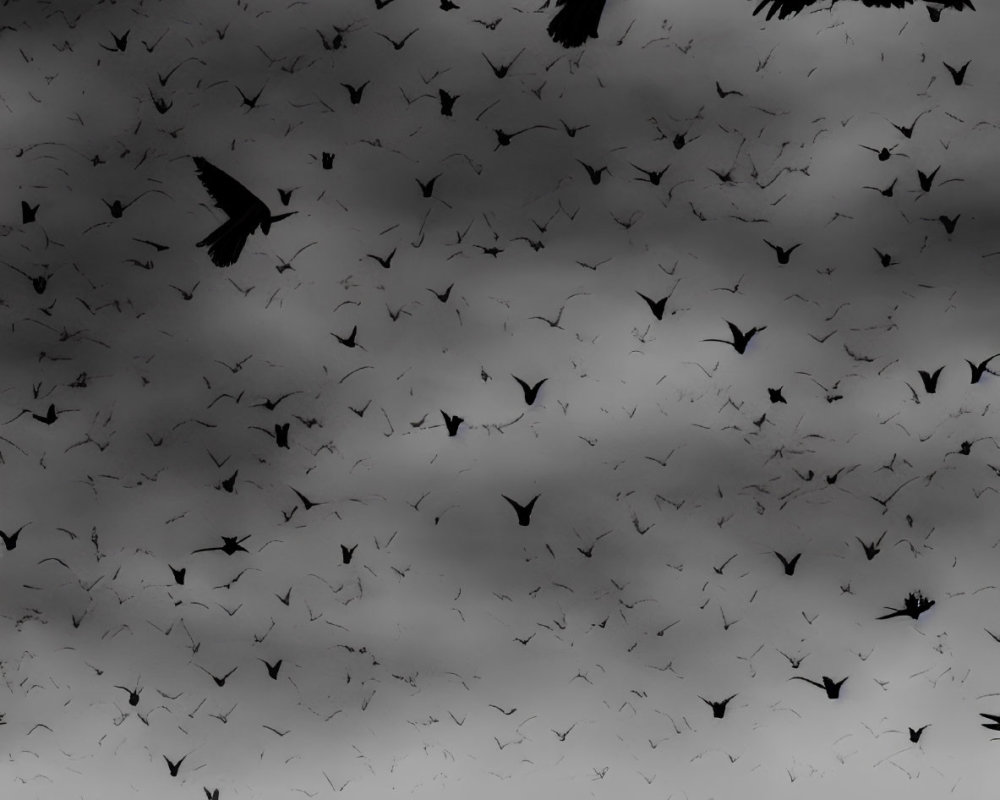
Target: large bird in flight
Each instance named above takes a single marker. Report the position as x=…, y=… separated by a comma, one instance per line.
x=245, y=210
x=577, y=20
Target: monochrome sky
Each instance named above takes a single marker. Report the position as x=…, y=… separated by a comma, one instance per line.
x=453, y=653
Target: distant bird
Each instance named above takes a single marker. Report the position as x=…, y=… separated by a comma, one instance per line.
x=831, y=687
x=926, y=179
x=775, y=395
x=245, y=211
x=949, y=223
x=740, y=339
x=914, y=605
x=355, y=92
x=788, y=564
x=994, y=721
x=930, y=379
x=350, y=340
x=28, y=212
x=723, y=93
x=272, y=669
x=530, y=392
x=784, y=253
x=915, y=733
x=10, y=539
x=451, y=423
x=871, y=548
x=718, y=706
x=347, y=553
x=447, y=102
x=593, y=172
x=957, y=75
x=980, y=368
x=656, y=306
x=523, y=512
x=229, y=546
x=174, y=766
x=442, y=296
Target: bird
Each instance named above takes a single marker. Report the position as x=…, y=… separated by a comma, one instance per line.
x=593, y=172
x=980, y=368
x=656, y=306
x=444, y=295
x=871, y=548
x=994, y=721
x=775, y=395
x=915, y=733
x=926, y=179
x=447, y=102
x=784, y=253
x=740, y=339
x=355, y=92
x=831, y=687
x=718, y=706
x=174, y=766
x=451, y=423
x=306, y=502
x=245, y=212
x=29, y=212
x=219, y=681
x=272, y=669
x=350, y=340
x=788, y=564
x=10, y=539
x=930, y=379
x=347, y=553
x=530, y=392
x=949, y=223
x=229, y=546
x=914, y=605
x=523, y=512
x=957, y=75
x=178, y=574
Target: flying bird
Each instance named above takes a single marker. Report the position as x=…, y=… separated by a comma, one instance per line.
x=523, y=512
x=740, y=339
x=245, y=210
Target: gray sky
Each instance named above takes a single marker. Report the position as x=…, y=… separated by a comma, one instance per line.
x=657, y=455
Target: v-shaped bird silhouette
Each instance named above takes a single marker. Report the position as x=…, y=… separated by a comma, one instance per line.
x=740, y=339
x=718, y=706
x=831, y=687
x=788, y=564
x=930, y=379
x=914, y=605
x=979, y=369
x=245, y=210
x=451, y=422
x=530, y=392
x=523, y=512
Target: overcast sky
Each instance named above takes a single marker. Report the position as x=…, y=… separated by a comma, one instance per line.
x=459, y=652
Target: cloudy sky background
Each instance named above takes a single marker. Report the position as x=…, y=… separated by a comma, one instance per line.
x=391, y=662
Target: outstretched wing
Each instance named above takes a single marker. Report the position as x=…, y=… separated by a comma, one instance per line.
x=228, y=193
x=576, y=21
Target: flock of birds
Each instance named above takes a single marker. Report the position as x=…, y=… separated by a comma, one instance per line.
x=593, y=439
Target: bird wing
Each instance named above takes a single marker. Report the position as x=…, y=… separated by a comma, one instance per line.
x=228, y=193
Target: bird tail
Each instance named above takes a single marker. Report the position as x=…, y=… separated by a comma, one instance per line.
x=576, y=21
x=225, y=243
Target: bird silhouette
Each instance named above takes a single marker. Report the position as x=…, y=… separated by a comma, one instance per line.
x=347, y=553
x=179, y=574
x=788, y=564
x=355, y=92
x=718, y=706
x=651, y=176
x=784, y=253
x=656, y=306
x=10, y=539
x=447, y=102
x=272, y=669
x=994, y=721
x=229, y=546
x=915, y=733
x=245, y=211
x=930, y=379
x=927, y=179
x=949, y=223
x=174, y=766
x=451, y=423
x=442, y=296
x=350, y=340
x=775, y=395
x=530, y=392
x=219, y=681
x=740, y=339
x=979, y=369
x=594, y=173
x=957, y=75
x=871, y=548
x=831, y=687
x=28, y=212
x=914, y=605
x=523, y=512
x=501, y=70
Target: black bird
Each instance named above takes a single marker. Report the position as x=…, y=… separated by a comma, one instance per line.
x=442, y=296
x=530, y=392
x=355, y=92
x=427, y=187
x=384, y=261
x=229, y=546
x=915, y=733
x=350, y=339
x=347, y=553
x=930, y=379
x=523, y=512
x=949, y=224
x=831, y=687
x=174, y=766
x=285, y=195
x=49, y=417
x=740, y=339
x=595, y=174
x=133, y=694
x=306, y=502
x=776, y=396
x=246, y=213
x=10, y=539
x=121, y=42
x=28, y=213
x=211, y=795
x=871, y=548
x=885, y=192
x=788, y=564
x=281, y=434
x=656, y=306
x=719, y=706
x=272, y=669
x=885, y=259
x=723, y=93
x=914, y=605
x=502, y=70
x=957, y=75
x=994, y=721
x=784, y=254
x=652, y=176
x=980, y=368
x=447, y=102
x=220, y=682
x=926, y=179
x=451, y=423
x=229, y=483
